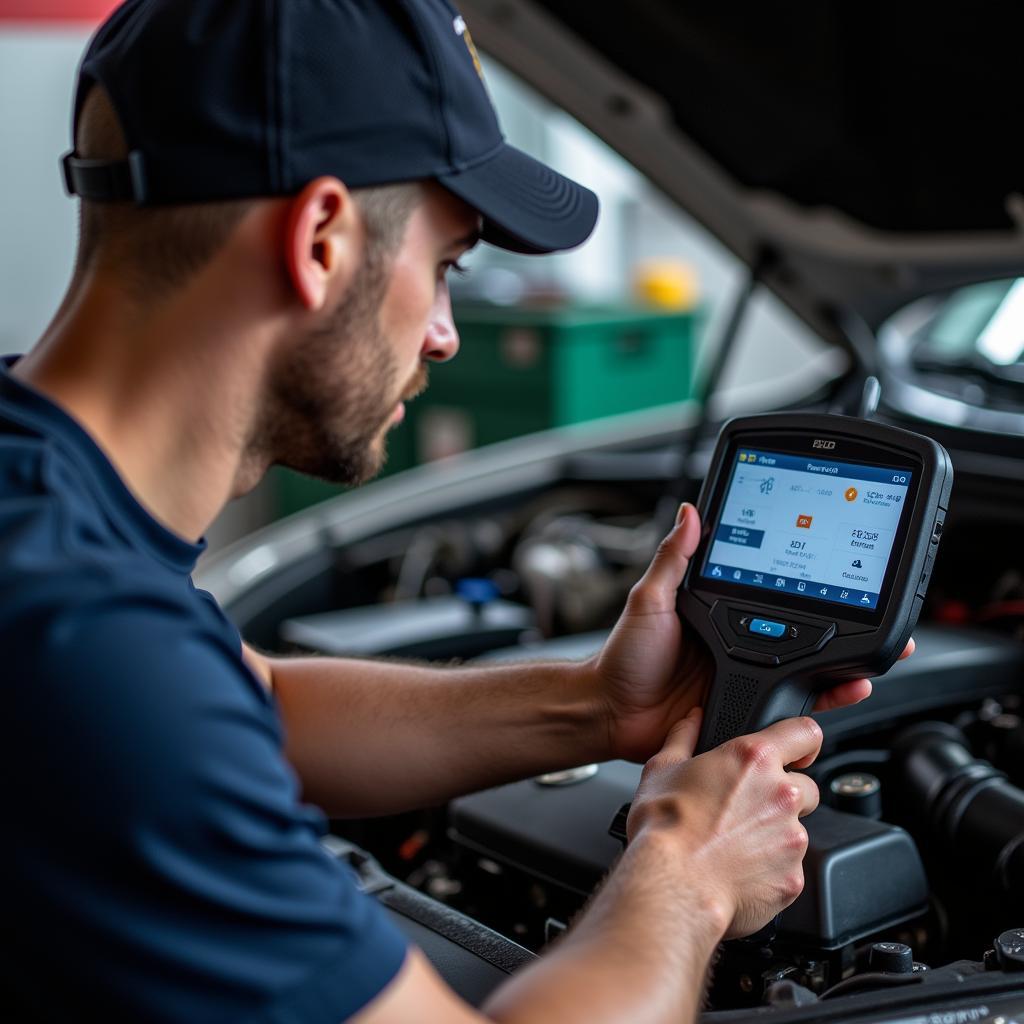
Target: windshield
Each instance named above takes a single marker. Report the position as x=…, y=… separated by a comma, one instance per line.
x=981, y=325
x=958, y=357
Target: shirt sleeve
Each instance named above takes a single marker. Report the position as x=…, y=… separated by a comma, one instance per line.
x=168, y=870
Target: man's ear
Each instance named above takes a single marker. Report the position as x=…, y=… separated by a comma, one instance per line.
x=323, y=240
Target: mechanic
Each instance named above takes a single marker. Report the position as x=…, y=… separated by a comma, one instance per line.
x=263, y=282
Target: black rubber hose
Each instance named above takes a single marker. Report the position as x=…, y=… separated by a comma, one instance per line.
x=962, y=802
x=868, y=982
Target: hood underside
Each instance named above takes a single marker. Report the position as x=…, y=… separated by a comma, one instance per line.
x=855, y=157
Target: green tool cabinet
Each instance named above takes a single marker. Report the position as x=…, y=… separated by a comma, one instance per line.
x=521, y=370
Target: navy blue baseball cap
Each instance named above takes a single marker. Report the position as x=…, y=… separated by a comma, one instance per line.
x=228, y=99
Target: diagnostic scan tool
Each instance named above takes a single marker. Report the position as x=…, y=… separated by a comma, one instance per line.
x=819, y=535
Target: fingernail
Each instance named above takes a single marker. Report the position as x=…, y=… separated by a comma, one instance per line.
x=681, y=514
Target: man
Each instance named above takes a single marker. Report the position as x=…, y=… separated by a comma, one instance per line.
x=272, y=194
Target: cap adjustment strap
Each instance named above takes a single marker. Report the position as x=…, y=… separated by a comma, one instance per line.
x=105, y=180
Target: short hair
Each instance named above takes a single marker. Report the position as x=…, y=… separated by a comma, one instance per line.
x=157, y=249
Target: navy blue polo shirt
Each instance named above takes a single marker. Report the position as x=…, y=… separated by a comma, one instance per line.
x=158, y=864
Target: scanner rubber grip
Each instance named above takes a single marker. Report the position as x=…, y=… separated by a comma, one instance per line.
x=739, y=702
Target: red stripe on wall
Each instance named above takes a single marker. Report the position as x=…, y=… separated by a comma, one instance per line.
x=55, y=10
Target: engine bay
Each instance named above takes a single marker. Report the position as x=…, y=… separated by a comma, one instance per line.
x=914, y=864
x=915, y=870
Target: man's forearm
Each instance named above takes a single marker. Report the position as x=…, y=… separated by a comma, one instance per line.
x=377, y=737
x=639, y=953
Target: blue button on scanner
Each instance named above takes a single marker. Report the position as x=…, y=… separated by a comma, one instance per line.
x=763, y=627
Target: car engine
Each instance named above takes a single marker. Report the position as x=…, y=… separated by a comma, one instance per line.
x=914, y=874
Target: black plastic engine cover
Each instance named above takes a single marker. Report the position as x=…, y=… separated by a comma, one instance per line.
x=860, y=875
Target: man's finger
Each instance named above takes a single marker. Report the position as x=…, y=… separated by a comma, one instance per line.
x=843, y=695
x=808, y=790
x=682, y=737
x=795, y=741
x=668, y=566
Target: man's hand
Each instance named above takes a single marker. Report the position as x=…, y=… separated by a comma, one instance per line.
x=716, y=849
x=652, y=671
x=730, y=817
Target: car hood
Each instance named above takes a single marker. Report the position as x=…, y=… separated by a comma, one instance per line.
x=855, y=158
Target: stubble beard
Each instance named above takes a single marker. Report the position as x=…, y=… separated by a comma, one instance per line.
x=331, y=398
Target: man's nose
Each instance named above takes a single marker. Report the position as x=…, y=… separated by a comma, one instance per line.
x=442, y=338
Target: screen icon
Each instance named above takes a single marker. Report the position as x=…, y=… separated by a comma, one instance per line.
x=801, y=587
x=737, y=575
x=758, y=577
x=844, y=595
x=857, y=564
x=850, y=494
x=717, y=571
x=780, y=581
x=824, y=591
x=865, y=599
x=767, y=485
x=804, y=522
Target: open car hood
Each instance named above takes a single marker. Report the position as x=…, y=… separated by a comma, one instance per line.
x=855, y=158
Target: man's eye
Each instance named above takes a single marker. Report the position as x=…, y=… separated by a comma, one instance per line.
x=455, y=266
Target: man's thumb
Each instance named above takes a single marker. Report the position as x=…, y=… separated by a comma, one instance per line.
x=666, y=571
x=681, y=740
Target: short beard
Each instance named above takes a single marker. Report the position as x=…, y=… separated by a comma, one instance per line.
x=331, y=395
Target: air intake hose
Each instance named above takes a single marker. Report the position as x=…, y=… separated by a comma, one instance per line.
x=962, y=802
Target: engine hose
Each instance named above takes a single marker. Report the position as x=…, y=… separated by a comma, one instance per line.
x=964, y=803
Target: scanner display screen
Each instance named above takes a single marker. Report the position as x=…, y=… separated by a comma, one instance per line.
x=808, y=527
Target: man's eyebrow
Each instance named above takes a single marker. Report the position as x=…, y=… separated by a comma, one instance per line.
x=467, y=241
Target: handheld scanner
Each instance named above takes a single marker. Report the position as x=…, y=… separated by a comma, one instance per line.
x=818, y=537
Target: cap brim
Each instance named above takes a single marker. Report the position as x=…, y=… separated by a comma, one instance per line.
x=527, y=207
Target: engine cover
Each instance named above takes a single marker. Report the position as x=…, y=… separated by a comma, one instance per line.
x=860, y=875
